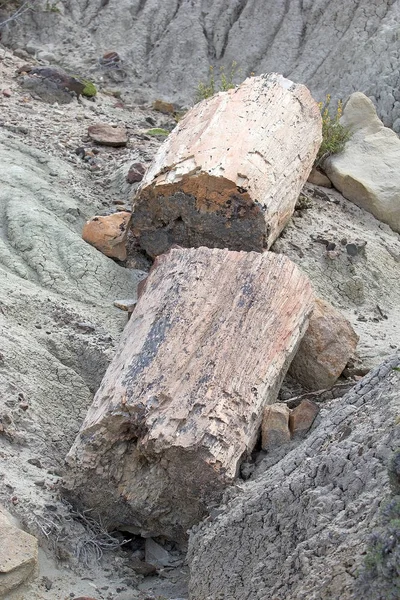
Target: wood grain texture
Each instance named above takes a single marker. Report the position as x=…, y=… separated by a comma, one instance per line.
x=181, y=404
x=230, y=173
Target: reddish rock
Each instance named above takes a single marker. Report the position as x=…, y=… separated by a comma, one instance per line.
x=135, y=173
x=7, y=93
x=275, y=426
x=108, y=234
x=325, y=348
x=107, y=135
x=302, y=417
x=164, y=107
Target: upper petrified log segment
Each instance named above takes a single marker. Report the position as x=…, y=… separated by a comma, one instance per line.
x=230, y=173
x=180, y=405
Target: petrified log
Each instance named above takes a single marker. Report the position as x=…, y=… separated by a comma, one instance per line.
x=181, y=404
x=230, y=173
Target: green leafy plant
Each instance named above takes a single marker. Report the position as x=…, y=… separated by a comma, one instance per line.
x=90, y=89
x=334, y=134
x=221, y=84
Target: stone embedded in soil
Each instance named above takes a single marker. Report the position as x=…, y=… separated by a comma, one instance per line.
x=135, y=173
x=230, y=173
x=302, y=417
x=318, y=178
x=163, y=107
x=18, y=556
x=181, y=404
x=275, y=426
x=107, y=135
x=51, y=84
x=325, y=348
x=108, y=234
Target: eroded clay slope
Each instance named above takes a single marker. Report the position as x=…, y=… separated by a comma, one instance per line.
x=168, y=46
x=300, y=529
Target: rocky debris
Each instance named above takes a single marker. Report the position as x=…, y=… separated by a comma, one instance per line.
x=108, y=234
x=135, y=173
x=205, y=350
x=107, y=135
x=18, y=556
x=280, y=424
x=302, y=417
x=367, y=172
x=318, y=178
x=275, y=426
x=303, y=523
x=325, y=348
x=202, y=188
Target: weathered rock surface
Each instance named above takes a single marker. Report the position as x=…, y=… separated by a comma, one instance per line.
x=331, y=48
x=205, y=188
x=18, y=556
x=302, y=417
x=367, y=171
x=275, y=426
x=108, y=233
x=325, y=348
x=205, y=350
x=51, y=84
x=135, y=173
x=299, y=529
x=106, y=135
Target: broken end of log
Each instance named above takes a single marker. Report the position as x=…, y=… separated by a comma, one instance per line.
x=196, y=211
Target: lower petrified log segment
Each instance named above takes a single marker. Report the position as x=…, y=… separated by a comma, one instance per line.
x=230, y=173
x=181, y=404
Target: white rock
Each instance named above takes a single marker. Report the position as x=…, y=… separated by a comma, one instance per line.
x=367, y=171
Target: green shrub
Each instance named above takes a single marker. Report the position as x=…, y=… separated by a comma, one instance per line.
x=212, y=86
x=90, y=89
x=334, y=135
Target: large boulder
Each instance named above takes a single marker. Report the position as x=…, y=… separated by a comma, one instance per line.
x=327, y=345
x=299, y=529
x=230, y=174
x=367, y=171
x=206, y=348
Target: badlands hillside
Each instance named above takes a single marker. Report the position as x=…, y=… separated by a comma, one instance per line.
x=199, y=330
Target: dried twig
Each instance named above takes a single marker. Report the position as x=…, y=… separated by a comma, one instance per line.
x=25, y=6
x=96, y=540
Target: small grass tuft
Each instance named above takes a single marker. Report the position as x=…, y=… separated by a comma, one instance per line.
x=214, y=85
x=334, y=135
